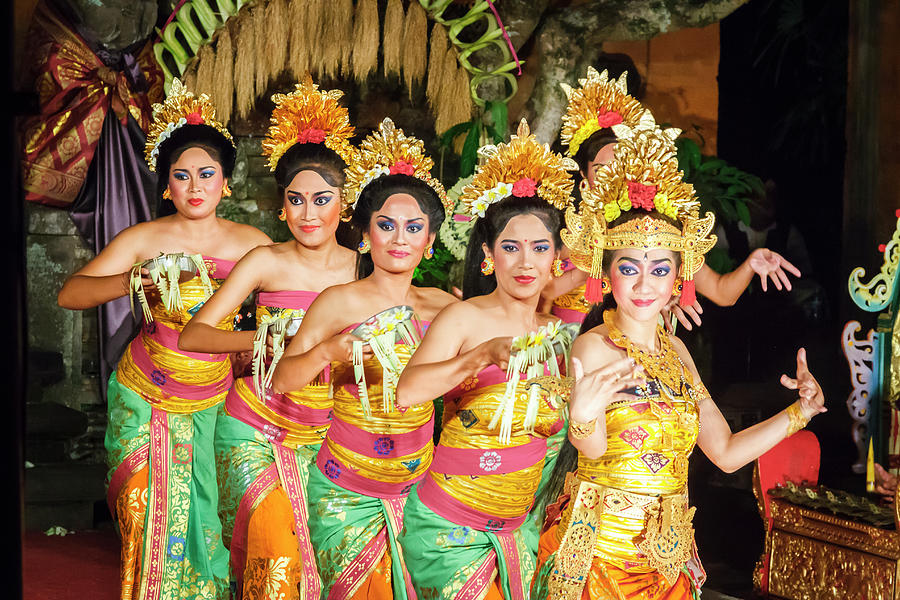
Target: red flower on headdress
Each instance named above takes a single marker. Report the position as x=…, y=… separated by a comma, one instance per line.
x=195, y=118
x=402, y=167
x=608, y=119
x=524, y=187
x=311, y=136
x=641, y=195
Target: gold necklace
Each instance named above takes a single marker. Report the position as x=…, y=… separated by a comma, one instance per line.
x=664, y=365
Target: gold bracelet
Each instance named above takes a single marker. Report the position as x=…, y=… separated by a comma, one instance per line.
x=797, y=420
x=579, y=431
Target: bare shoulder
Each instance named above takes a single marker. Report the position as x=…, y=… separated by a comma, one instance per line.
x=430, y=301
x=245, y=235
x=594, y=349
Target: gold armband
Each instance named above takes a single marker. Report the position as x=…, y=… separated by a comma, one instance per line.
x=579, y=431
x=797, y=420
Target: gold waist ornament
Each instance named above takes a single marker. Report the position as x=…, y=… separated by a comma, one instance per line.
x=666, y=539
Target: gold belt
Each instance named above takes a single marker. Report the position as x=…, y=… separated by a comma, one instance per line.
x=667, y=540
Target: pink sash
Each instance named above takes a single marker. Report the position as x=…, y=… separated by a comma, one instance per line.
x=168, y=337
x=453, y=510
x=491, y=461
x=287, y=299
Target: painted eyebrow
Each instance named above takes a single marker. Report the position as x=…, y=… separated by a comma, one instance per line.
x=637, y=260
x=393, y=219
x=200, y=169
x=299, y=193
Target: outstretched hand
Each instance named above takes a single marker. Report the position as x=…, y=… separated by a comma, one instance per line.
x=771, y=265
x=885, y=483
x=596, y=390
x=681, y=313
x=812, y=400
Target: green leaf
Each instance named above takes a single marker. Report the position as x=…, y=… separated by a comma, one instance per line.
x=450, y=134
x=688, y=155
x=743, y=212
x=469, y=156
x=712, y=164
x=500, y=117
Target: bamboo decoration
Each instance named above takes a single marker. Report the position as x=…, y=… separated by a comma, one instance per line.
x=415, y=34
x=223, y=78
x=329, y=38
x=392, y=44
x=298, y=55
x=366, y=30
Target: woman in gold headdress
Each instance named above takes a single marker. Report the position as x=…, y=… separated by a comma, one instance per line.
x=465, y=527
x=265, y=442
x=366, y=331
x=638, y=406
x=163, y=401
x=587, y=132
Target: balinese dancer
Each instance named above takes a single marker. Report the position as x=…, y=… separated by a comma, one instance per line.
x=638, y=406
x=374, y=451
x=593, y=109
x=465, y=524
x=265, y=442
x=163, y=401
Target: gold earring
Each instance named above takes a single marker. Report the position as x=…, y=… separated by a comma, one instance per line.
x=429, y=252
x=282, y=216
x=557, y=268
x=167, y=195
x=605, y=286
x=678, y=287
x=226, y=191
x=364, y=246
x=487, y=265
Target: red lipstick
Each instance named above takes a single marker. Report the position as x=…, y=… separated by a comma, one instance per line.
x=524, y=279
x=308, y=228
x=195, y=201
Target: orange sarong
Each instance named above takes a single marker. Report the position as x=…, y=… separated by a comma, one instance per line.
x=608, y=582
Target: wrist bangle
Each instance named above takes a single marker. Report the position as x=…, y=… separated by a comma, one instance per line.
x=797, y=420
x=579, y=431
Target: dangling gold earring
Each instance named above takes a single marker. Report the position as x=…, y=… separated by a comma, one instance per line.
x=226, y=191
x=364, y=246
x=487, y=265
x=429, y=252
x=605, y=286
x=557, y=268
x=282, y=216
x=678, y=287
x=167, y=194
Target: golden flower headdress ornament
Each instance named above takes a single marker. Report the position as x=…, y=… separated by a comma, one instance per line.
x=600, y=102
x=523, y=167
x=180, y=108
x=308, y=116
x=642, y=177
x=389, y=151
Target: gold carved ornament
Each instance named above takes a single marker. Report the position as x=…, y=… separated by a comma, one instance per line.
x=180, y=108
x=389, y=151
x=643, y=176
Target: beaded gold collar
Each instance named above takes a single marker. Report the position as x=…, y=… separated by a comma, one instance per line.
x=663, y=365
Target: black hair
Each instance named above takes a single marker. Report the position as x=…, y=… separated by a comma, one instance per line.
x=309, y=157
x=488, y=227
x=209, y=139
x=376, y=193
x=587, y=151
x=567, y=461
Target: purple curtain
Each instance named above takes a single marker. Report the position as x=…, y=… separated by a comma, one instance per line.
x=116, y=194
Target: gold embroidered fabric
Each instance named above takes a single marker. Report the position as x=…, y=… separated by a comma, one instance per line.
x=466, y=425
x=573, y=300
x=649, y=439
x=347, y=408
x=172, y=363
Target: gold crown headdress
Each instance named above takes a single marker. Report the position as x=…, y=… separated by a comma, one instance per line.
x=308, y=115
x=643, y=176
x=522, y=167
x=180, y=108
x=600, y=102
x=389, y=151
